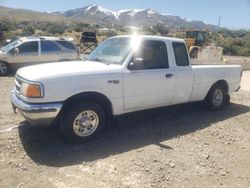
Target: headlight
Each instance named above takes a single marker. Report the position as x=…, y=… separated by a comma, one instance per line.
x=31, y=90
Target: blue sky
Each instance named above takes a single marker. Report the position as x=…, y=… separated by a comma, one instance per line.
x=235, y=14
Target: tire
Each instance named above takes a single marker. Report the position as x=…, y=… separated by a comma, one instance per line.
x=4, y=68
x=76, y=124
x=216, y=97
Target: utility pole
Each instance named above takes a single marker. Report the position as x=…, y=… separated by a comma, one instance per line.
x=219, y=23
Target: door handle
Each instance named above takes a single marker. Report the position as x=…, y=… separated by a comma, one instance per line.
x=113, y=81
x=169, y=75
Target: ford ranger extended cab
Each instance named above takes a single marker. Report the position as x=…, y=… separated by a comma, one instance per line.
x=123, y=74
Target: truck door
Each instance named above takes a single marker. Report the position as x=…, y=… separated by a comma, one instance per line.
x=148, y=81
x=183, y=72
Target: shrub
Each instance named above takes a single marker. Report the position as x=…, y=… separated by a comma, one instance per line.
x=28, y=30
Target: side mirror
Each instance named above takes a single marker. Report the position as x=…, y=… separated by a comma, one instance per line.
x=136, y=64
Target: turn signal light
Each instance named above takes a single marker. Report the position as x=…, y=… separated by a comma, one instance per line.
x=31, y=90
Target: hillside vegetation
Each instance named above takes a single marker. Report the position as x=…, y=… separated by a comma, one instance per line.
x=234, y=42
x=21, y=15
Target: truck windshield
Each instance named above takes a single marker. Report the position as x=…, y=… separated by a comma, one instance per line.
x=112, y=51
x=10, y=46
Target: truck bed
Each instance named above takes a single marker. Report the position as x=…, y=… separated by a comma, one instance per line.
x=207, y=75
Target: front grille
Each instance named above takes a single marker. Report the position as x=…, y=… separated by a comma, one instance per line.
x=18, y=84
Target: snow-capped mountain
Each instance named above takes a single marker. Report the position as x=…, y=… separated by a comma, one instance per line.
x=93, y=12
x=136, y=17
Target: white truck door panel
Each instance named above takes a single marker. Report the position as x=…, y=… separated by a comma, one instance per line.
x=148, y=88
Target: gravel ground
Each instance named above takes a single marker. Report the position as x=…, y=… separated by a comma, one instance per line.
x=178, y=146
x=245, y=82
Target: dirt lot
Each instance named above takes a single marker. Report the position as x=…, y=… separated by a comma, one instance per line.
x=179, y=146
x=245, y=81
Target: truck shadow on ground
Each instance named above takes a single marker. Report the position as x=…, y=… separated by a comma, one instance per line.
x=129, y=132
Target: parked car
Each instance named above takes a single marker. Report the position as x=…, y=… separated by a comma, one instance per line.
x=123, y=74
x=32, y=50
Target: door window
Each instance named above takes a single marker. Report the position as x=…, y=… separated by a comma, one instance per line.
x=180, y=53
x=28, y=47
x=66, y=44
x=153, y=55
x=49, y=46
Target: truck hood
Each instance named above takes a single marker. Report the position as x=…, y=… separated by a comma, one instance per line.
x=66, y=69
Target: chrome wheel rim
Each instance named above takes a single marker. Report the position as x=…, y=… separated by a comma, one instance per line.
x=3, y=68
x=217, y=97
x=86, y=123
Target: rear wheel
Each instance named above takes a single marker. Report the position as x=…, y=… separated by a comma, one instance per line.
x=4, y=68
x=82, y=122
x=216, y=97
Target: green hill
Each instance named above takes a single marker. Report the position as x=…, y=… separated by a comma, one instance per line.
x=21, y=15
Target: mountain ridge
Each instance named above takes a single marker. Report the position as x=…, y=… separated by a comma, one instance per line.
x=95, y=14
x=134, y=17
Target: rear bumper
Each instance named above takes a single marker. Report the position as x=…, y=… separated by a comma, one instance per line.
x=36, y=114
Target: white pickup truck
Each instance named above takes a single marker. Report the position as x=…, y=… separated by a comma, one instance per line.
x=123, y=74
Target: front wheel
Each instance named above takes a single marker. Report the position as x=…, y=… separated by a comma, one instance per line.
x=216, y=97
x=82, y=122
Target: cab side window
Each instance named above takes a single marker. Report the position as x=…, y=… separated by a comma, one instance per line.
x=180, y=53
x=153, y=55
x=49, y=46
x=28, y=47
x=66, y=44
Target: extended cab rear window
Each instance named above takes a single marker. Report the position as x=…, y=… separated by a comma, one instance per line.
x=180, y=53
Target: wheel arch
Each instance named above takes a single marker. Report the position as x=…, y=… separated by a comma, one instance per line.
x=96, y=97
x=222, y=83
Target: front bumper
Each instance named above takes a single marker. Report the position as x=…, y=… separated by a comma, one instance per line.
x=36, y=114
